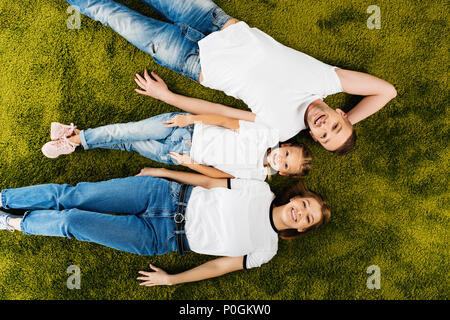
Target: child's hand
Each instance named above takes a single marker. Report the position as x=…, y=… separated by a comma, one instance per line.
x=178, y=121
x=154, y=88
x=182, y=159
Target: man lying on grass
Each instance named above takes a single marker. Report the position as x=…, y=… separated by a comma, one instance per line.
x=164, y=211
x=284, y=88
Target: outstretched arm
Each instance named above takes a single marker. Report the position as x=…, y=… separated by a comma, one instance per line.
x=210, y=269
x=158, y=89
x=181, y=120
x=377, y=93
x=185, y=160
x=194, y=179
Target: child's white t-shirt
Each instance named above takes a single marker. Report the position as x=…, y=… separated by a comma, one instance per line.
x=239, y=153
x=277, y=83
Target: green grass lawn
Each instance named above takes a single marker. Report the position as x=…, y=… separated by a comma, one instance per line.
x=389, y=198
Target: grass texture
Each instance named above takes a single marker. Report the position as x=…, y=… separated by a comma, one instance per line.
x=389, y=198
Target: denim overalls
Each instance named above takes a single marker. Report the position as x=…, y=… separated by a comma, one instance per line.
x=143, y=221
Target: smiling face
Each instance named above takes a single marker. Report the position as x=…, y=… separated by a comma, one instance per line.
x=329, y=127
x=301, y=213
x=287, y=159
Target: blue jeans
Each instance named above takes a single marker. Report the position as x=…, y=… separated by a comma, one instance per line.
x=173, y=45
x=147, y=206
x=149, y=137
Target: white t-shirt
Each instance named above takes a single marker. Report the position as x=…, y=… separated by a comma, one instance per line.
x=276, y=82
x=239, y=153
x=232, y=222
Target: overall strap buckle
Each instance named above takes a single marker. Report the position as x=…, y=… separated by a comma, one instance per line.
x=180, y=219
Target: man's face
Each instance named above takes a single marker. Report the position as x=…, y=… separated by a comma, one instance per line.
x=327, y=126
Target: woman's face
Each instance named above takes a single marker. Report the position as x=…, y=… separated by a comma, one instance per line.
x=301, y=213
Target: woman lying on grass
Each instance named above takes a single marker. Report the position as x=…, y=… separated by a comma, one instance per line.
x=164, y=211
x=214, y=145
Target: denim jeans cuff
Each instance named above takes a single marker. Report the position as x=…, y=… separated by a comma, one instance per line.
x=83, y=140
x=22, y=225
x=3, y=199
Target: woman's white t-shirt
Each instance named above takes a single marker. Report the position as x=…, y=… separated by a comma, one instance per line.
x=233, y=222
x=277, y=83
x=238, y=153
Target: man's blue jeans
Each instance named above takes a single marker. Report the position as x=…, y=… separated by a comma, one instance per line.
x=149, y=137
x=173, y=45
x=146, y=205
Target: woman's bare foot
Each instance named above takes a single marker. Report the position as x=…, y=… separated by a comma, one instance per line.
x=14, y=223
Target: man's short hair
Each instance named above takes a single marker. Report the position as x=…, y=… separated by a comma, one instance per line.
x=347, y=146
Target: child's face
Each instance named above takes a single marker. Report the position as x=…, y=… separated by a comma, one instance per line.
x=285, y=159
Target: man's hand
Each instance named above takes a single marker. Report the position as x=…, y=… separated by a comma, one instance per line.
x=377, y=93
x=154, y=172
x=178, y=121
x=157, y=277
x=154, y=88
x=182, y=159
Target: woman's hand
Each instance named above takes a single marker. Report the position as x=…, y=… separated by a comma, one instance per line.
x=154, y=172
x=154, y=88
x=179, y=120
x=182, y=159
x=157, y=277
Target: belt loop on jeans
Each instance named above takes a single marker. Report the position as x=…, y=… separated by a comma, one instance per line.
x=180, y=220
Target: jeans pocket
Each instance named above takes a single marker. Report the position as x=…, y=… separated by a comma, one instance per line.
x=190, y=64
x=174, y=191
x=191, y=33
x=171, y=243
x=214, y=17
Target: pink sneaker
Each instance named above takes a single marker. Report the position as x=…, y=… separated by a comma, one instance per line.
x=53, y=149
x=59, y=130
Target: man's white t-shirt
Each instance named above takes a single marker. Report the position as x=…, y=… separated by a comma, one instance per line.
x=233, y=222
x=239, y=153
x=276, y=82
